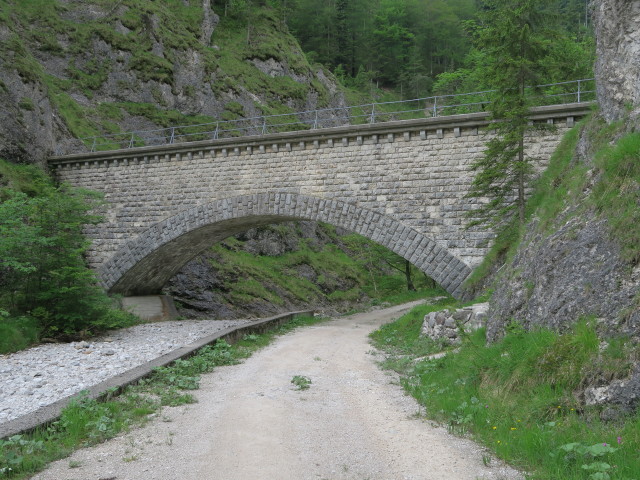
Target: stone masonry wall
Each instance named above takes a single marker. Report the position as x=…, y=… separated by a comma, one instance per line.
x=415, y=173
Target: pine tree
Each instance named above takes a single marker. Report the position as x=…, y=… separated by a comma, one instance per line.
x=515, y=36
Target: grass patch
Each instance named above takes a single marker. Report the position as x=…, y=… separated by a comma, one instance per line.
x=617, y=193
x=17, y=333
x=301, y=382
x=87, y=422
x=519, y=397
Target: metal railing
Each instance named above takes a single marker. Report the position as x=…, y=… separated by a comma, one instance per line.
x=550, y=94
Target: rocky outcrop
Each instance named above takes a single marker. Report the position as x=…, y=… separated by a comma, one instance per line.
x=577, y=270
x=618, y=397
x=450, y=325
x=99, y=68
x=574, y=268
x=574, y=272
x=617, y=27
x=207, y=287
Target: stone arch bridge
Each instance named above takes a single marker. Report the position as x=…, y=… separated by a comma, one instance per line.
x=401, y=184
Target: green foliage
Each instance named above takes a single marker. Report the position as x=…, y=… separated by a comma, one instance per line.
x=44, y=275
x=617, y=193
x=301, y=382
x=515, y=37
x=17, y=333
x=561, y=188
x=347, y=271
x=152, y=67
x=91, y=76
x=547, y=200
x=26, y=104
x=519, y=397
x=401, y=43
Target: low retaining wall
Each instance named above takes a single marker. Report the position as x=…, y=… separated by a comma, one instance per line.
x=151, y=308
x=52, y=412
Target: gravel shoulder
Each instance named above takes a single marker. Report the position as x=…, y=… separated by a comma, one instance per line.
x=250, y=422
x=44, y=374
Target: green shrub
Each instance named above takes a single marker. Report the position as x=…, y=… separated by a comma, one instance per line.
x=44, y=275
x=17, y=333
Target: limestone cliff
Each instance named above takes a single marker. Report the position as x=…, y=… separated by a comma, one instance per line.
x=617, y=27
x=71, y=69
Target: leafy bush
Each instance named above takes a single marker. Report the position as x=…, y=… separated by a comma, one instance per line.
x=43, y=274
x=17, y=333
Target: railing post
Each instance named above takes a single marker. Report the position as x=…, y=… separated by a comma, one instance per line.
x=93, y=146
x=373, y=114
x=131, y=141
x=435, y=106
x=264, y=125
x=173, y=135
x=216, y=133
x=315, y=121
x=579, y=91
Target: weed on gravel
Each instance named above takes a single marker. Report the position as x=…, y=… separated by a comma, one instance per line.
x=85, y=422
x=301, y=382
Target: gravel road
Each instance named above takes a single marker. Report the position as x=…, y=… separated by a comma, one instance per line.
x=251, y=423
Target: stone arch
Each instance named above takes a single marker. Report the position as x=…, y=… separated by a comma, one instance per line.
x=145, y=263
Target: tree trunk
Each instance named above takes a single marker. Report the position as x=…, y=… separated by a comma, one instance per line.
x=521, y=180
x=407, y=274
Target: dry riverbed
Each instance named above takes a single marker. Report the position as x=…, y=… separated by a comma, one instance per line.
x=251, y=423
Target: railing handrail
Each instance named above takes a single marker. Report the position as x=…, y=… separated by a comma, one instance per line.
x=432, y=106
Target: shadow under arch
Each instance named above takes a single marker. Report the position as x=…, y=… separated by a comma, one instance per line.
x=145, y=263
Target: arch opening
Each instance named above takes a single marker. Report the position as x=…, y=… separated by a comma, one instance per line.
x=144, y=264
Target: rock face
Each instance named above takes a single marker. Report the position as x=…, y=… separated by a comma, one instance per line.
x=617, y=27
x=576, y=271
x=77, y=69
x=447, y=326
x=205, y=289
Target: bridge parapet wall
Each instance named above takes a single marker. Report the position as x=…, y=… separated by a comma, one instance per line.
x=416, y=172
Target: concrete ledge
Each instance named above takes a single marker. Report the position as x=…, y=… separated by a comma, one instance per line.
x=50, y=413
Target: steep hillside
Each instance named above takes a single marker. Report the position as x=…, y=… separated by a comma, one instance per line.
x=73, y=68
x=579, y=255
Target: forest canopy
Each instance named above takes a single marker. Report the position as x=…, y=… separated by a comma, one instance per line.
x=406, y=45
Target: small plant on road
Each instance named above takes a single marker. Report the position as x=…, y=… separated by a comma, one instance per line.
x=301, y=382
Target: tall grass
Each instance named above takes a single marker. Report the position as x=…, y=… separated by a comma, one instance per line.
x=617, y=194
x=17, y=333
x=521, y=397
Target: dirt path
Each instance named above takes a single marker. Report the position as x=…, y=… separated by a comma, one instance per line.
x=252, y=424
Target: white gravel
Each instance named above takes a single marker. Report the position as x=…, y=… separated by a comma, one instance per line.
x=41, y=375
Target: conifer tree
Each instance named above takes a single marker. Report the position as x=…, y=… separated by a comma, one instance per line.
x=515, y=37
